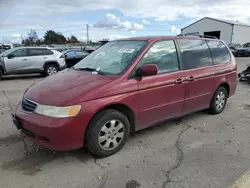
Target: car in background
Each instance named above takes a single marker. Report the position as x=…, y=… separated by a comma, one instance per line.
x=26, y=60
x=243, y=51
x=4, y=47
x=1, y=48
x=233, y=47
x=74, y=56
x=88, y=49
x=126, y=86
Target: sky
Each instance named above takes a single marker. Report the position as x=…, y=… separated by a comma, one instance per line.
x=111, y=19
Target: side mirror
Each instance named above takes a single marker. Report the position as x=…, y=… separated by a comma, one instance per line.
x=147, y=70
x=10, y=56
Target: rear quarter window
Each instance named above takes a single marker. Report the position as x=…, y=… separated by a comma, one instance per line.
x=219, y=51
x=194, y=53
x=47, y=52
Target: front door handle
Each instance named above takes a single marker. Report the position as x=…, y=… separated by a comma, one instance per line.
x=24, y=59
x=179, y=81
x=190, y=78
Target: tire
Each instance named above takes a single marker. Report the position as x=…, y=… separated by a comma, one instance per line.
x=1, y=74
x=50, y=70
x=101, y=138
x=219, y=100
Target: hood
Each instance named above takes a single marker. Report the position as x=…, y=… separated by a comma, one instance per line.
x=65, y=86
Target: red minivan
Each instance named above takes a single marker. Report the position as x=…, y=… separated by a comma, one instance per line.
x=125, y=86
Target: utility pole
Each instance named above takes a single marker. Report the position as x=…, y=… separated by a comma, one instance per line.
x=87, y=27
x=21, y=39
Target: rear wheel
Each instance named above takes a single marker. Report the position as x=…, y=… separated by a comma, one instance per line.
x=219, y=101
x=50, y=70
x=107, y=133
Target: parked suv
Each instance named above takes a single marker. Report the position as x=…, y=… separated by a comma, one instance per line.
x=125, y=86
x=25, y=60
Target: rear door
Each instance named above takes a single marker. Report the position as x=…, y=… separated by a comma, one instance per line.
x=225, y=68
x=199, y=70
x=17, y=63
x=38, y=56
x=161, y=96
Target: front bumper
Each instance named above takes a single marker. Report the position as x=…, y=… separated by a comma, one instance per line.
x=58, y=134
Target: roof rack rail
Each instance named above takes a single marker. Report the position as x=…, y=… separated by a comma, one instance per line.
x=201, y=36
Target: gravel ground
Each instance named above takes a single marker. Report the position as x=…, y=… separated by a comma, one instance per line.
x=198, y=151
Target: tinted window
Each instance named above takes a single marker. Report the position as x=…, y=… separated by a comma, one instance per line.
x=71, y=54
x=164, y=55
x=19, y=53
x=219, y=52
x=47, y=52
x=195, y=53
x=39, y=52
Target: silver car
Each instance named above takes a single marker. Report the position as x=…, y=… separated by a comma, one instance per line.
x=26, y=60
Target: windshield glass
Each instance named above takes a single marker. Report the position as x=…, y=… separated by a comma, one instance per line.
x=7, y=52
x=112, y=58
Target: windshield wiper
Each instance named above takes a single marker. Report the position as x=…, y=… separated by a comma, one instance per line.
x=91, y=70
x=86, y=69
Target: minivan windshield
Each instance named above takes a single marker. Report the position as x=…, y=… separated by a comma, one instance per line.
x=112, y=58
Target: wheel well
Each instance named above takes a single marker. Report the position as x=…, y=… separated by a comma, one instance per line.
x=51, y=63
x=126, y=111
x=226, y=86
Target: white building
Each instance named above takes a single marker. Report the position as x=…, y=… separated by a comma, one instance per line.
x=229, y=31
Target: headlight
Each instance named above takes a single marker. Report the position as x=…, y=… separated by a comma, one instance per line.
x=58, y=112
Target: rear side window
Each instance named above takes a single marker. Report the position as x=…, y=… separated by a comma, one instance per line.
x=164, y=55
x=39, y=52
x=194, y=53
x=219, y=52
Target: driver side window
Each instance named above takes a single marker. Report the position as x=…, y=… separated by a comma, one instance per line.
x=19, y=53
x=164, y=55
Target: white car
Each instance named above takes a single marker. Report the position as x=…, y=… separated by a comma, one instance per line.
x=26, y=60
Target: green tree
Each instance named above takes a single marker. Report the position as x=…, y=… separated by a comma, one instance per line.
x=52, y=37
x=73, y=39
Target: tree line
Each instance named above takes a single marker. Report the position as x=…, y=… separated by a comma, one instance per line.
x=50, y=37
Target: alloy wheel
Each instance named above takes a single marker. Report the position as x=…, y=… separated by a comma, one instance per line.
x=220, y=100
x=52, y=71
x=111, y=135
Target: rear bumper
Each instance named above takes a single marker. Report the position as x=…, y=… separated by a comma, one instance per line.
x=58, y=134
x=63, y=67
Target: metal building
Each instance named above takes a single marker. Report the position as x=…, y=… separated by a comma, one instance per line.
x=229, y=31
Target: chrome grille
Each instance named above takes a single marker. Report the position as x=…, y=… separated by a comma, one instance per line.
x=28, y=106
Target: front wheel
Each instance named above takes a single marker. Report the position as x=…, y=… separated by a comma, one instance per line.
x=219, y=101
x=107, y=133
